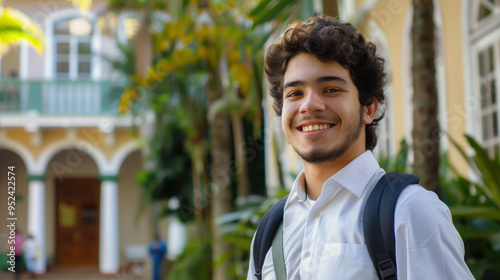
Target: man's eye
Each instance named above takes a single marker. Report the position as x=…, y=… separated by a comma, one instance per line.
x=331, y=90
x=294, y=93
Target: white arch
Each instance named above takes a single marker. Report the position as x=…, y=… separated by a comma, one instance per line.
x=49, y=39
x=378, y=37
x=23, y=152
x=48, y=153
x=120, y=155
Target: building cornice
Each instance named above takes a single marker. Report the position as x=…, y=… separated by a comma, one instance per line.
x=25, y=121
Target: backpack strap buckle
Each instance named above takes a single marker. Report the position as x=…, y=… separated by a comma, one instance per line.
x=387, y=269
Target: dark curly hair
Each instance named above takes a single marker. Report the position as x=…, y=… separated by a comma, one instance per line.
x=330, y=40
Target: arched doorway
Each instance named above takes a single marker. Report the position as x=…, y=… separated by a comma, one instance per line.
x=74, y=187
x=77, y=221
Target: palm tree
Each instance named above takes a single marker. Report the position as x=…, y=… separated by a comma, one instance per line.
x=16, y=27
x=425, y=101
x=218, y=44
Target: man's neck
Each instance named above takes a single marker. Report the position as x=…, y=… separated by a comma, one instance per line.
x=316, y=174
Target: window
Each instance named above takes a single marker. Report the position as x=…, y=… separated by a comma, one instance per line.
x=73, y=49
x=488, y=97
x=486, y=9
x=485, y=56
x=128, y=25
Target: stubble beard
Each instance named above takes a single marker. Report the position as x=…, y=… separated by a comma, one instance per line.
x=320, y=156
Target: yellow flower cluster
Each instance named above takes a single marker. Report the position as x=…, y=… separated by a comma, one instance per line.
x=242, y=75
x=129, y=96
x=191, y=45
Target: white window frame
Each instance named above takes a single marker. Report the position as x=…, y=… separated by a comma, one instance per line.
x=479, y=36
x=121, y=32
x=157, y=16
x=50, y=51
x=74, y=59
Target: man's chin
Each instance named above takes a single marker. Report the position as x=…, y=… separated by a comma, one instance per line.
x=321, y=156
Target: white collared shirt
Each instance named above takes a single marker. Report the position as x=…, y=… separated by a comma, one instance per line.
x=324, y=239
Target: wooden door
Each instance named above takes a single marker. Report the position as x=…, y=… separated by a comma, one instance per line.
x=77, y=219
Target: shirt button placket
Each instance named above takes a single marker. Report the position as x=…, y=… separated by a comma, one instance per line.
x=307, y=246
x=306, y=265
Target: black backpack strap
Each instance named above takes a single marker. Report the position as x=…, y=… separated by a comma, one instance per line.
x=378, y=222
x=265, y=234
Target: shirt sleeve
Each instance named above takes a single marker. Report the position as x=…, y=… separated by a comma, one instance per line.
x=428, y=246
x=251, y=265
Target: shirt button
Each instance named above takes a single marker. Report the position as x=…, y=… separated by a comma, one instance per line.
x=307, y=254
x=316, y=214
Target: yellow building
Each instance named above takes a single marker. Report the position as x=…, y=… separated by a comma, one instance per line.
x=74, y=160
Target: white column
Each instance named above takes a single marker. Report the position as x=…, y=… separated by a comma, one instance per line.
x=24, y=66
x=109, y=254
x=36, y=218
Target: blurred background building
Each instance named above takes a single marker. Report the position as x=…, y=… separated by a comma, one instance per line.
x=75, y=159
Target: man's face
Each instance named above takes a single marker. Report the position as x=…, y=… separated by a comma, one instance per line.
x=322, y=117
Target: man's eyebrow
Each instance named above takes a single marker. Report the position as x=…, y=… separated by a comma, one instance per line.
x=293, y=84
x=330, y=78
x=319, y=80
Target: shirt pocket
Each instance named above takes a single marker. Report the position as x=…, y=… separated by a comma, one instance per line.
x=345, y=261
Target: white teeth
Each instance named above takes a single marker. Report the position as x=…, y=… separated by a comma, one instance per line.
x=307, y=128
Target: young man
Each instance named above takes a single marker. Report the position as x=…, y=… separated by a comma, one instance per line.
x=327, y=84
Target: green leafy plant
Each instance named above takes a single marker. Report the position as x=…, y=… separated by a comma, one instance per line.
x=16, y=27
x=399, y=162
x=475, y=206
x=194, y=262
x=211, y=55
x=239, y=227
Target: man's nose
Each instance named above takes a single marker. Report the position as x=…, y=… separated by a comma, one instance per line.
x=313, y=102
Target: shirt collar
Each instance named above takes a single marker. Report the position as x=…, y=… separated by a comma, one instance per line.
x=356, y=174
x=353, y=177
x=297, y=191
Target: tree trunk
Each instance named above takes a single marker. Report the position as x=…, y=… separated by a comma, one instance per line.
x=221, y=193
x=425, y=100
x=330, y=8
x=143, y=46
x=239, y=154
x=197, y=194
x=143, y=56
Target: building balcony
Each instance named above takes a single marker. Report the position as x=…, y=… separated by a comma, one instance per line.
x=60, y=97
x=56, y=103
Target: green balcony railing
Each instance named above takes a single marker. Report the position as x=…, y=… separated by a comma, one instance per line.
x=60, y=97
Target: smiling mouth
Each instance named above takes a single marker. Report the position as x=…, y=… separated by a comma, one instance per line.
x=314, y=127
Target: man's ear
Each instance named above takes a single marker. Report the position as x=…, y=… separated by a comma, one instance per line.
x=370, y=112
